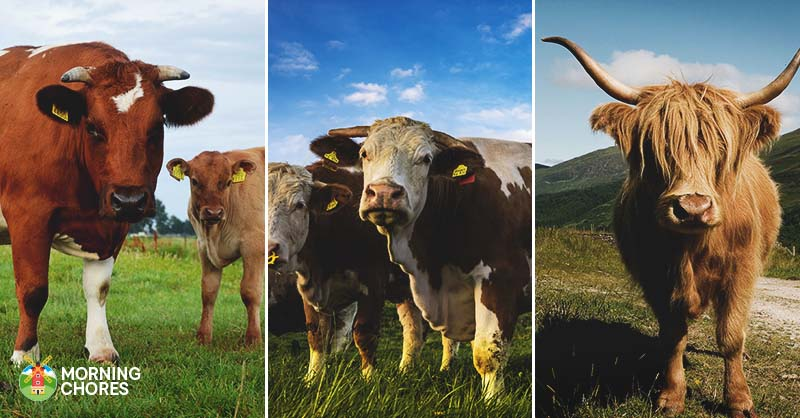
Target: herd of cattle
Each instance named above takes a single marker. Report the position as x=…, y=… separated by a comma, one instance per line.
x=81, y=134
x=441, y=226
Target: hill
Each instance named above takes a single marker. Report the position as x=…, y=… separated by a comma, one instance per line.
x=580, y=192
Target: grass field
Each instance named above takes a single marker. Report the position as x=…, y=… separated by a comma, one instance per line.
x=153, y=312
x=596, y=351
x=422, y=392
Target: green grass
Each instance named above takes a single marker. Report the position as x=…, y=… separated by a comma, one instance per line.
x=596, y=341
x=422, y=392
x=153, y=311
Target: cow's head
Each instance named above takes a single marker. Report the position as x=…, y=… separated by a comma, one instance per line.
x=118, y=110
x=398, y=158
x=685, y=143
x=211, y=175
x=295, y=197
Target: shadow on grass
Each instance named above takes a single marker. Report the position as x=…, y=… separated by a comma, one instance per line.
x=579, y=360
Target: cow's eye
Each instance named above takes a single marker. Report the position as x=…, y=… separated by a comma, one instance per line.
x=363, y=154
x=299, y=206
x=194, y=182
x=94, y=132
x=426, y=159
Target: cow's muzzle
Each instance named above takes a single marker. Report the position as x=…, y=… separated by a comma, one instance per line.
x=129, y=204
x=212, y=215
x=384, y=204
x=690, y=213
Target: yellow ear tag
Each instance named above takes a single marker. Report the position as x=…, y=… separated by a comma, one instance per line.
x=272, y=258
x=332, y=205
x=460, y=170
x=332, y=156
x=177, y=172
x=61, y=114
x=238, y=176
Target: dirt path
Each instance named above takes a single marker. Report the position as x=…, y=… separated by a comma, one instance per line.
x=777, y=306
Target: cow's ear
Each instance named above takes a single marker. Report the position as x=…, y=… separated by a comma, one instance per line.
x=186, y=106
x=340, y=151
x=61, y=104
x=616, y=120
x=768, y=122
x=329, y=198
x=178, y=168
x=456, y=162
x=248, y=166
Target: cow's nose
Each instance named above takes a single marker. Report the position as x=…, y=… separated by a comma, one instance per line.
x=385, y=194
x=272, y=247
x=692, y=206
x=213, y=213
x=128, y=203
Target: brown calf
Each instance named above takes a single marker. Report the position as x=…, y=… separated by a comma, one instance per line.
x=226, y=210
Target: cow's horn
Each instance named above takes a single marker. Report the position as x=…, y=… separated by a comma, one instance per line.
x=773, y=89
x=604, y=80
x=77, y=75
x=168, y=72
x=446, y=140
x=353, y=132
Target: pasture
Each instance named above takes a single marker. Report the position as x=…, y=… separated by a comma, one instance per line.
x=596, y=347
x=422, y=392
x=153, y=311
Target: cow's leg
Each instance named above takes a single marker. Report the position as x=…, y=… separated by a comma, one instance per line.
x=318, y=327
x=492, y=335
x=413, y=327
x=210, y=288
x=449, y=350
x=732, y=312
x=672, y=333
x=31, y=256
x=252, y=292
x=366, y=329
x=343, y=327
x=96, y=283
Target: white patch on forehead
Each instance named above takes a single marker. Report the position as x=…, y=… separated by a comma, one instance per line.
x=505, y=158
x=41, y=49
x=125, y=100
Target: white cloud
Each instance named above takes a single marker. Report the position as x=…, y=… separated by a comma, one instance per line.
x=520, y=26
x=290, y=148
x=512, y=122
x=342, y=74
x=643, y=67
x=403, y=73
x=294, y=59
x=335, y=44
x=486, y=33
x=367, y=94
x=413, y=94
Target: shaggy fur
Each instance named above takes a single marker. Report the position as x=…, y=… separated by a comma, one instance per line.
x=683, y=137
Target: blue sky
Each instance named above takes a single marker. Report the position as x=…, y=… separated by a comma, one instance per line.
x=464, y=67
x=221, y=44
x=741, y=45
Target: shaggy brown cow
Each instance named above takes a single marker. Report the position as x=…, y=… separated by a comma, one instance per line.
x=343, y=272
x=698, y=213
x=79, y=161
x=226, y=210
x=457, y=218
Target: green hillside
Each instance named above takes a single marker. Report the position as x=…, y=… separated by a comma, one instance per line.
x=580, y=192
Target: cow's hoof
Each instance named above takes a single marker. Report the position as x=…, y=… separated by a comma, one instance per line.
x=104, y=356
x=252, y=339
x=18, y=356
x=669, y=406
x=368, y=372
x=203, y=338
x=737, y=413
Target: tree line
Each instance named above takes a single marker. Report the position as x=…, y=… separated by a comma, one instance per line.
x=163, y=223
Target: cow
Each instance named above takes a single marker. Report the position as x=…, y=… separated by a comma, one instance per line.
x=698, y=213
x=343, y=273
x=82, y=136
x=456, y=215
x=226, y=210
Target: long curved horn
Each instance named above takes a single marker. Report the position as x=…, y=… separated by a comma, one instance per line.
x=353, y=132
x=77, y=75
x=604, y=80
x=773, y=89
x=168, y=72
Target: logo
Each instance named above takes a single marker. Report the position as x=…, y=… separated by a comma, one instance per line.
x=38, y=381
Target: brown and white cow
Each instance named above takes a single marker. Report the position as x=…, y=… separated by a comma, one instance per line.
x=343, y=272
x=81, y=135
x=226, y=209
x=698, y=213
x=457, y=217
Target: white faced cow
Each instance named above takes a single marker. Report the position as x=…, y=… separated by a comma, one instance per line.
x=457, y=216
